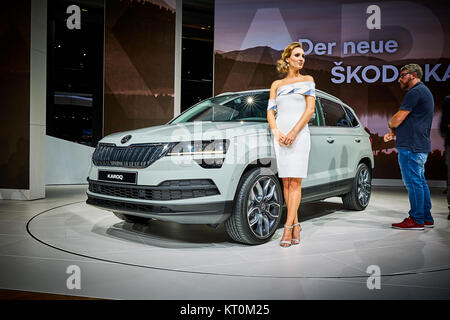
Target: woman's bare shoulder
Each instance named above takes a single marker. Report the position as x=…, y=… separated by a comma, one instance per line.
x=273, y=88
x=308, y=78
x=275, y=84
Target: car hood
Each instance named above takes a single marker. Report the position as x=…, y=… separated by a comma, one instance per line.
x=201, y=130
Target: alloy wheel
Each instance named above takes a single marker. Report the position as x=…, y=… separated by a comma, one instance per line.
x=364, y=187
x=264, y=207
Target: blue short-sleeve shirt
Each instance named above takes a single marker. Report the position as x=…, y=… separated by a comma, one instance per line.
x=414, y=132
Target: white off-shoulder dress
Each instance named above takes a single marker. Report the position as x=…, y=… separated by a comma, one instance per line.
x=290, y=104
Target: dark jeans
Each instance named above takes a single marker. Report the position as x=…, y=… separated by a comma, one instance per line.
x=412, y=166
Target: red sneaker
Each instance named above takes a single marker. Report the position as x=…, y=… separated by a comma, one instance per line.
x=428, y=224
x=408, y=224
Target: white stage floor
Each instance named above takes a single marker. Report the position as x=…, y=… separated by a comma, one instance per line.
x=40, y=239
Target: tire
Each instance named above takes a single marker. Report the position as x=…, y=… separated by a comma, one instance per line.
x=132, y=219
x=257, y=207
x=358, y=198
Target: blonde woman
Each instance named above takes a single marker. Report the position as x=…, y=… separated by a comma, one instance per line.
x=293, y=100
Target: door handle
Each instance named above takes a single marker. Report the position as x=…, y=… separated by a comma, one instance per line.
x=358, y=140
x=330, y=140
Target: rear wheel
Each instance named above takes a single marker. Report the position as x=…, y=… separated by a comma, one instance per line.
x=358, y=198
x=257, y=209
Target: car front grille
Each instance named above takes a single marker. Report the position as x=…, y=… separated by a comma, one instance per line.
x=167, y=190
x=133, y=156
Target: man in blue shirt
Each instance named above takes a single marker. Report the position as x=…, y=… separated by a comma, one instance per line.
x=411, y=127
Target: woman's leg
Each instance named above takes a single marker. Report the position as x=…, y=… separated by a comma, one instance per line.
x=295, y=194
x=287, y=233
x=294, y=200
x=286, y=190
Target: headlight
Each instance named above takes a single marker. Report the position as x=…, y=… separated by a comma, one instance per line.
x=204, y=147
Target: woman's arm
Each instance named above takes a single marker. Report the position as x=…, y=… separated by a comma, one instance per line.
x=279, y=136
x=270, y=112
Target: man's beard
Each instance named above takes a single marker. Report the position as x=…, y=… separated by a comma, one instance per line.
x=404, y=86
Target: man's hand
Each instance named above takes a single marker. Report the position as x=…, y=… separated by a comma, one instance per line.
x=389, y=136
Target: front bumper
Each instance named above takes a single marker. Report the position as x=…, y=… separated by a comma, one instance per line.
x=152, y=193
x=201, y=213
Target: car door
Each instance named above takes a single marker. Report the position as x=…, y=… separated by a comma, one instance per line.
x=320, y=156
x=355, y=142
x=339, y=135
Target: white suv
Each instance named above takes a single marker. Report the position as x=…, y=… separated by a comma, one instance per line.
x=216, y=163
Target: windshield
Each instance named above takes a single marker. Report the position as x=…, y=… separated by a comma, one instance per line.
x=231, y=107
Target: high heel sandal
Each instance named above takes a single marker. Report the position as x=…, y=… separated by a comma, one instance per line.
x=289, y=243
x=296, y=241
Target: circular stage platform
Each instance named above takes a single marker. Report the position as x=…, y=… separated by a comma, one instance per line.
x=335, y=243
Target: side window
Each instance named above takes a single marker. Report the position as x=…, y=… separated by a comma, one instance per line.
x=334, y=114
x=315, y=121
x=351, y=117
x=250, y=107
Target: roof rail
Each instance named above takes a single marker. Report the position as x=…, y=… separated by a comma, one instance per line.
x=323, y=93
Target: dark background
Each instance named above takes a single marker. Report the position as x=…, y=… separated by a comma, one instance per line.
x=15, y=94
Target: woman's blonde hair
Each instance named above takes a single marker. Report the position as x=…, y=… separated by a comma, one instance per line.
x=282, y=65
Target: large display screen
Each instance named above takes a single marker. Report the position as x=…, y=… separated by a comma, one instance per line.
x=354, y=51
x=139, y=63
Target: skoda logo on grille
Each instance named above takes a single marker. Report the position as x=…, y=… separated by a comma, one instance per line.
x=141, y=194
x=126, y=139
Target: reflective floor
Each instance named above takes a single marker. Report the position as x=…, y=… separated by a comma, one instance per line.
x=339, y=255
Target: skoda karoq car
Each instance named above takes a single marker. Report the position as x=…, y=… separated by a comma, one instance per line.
x=215, y=163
